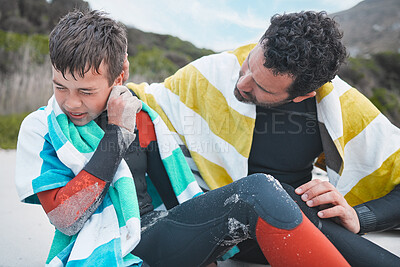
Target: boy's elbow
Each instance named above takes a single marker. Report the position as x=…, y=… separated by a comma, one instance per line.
x=69, y=230
x=70, y=216
x=68, y=221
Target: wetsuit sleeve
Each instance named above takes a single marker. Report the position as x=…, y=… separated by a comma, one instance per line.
x=155, y=167
x=380, y=214
x=158, y=175
x=69, y=207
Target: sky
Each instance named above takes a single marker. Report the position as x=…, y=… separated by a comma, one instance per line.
x=214, y=24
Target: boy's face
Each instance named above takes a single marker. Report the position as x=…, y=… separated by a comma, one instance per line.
x=83, y=99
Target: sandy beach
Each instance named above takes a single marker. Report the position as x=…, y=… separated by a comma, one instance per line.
x=26, y=233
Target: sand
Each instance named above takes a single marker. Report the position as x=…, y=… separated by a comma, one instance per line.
x=26, y=233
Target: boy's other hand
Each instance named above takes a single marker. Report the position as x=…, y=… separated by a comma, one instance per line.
x=122, y=107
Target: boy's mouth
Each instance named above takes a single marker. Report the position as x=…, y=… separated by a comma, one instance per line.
x=76, y=115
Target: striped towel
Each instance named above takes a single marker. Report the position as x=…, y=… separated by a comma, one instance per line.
x=198, y=105
x=52, y=150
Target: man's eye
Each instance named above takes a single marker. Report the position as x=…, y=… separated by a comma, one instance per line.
x=60, y=88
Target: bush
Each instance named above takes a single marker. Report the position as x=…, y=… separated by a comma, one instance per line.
x=152, y=64
x=9, y=128
x=25, y=72
x=387, y=102
x=14, y=46
x=377, y=77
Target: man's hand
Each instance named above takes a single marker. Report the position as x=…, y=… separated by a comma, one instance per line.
x=122, y=107
x=331, y=202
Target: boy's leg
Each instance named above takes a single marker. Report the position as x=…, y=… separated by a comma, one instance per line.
x=197, y=232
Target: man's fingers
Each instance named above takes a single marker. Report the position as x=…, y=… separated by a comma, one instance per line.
x=305, y=187
x=330, y=197
x=317, y=189
x=335, y=211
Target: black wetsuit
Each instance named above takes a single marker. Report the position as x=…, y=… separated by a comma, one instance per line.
x=286, y=141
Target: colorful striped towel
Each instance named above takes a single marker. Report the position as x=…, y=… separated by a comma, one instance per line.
x=52, y=151
x=361, y=147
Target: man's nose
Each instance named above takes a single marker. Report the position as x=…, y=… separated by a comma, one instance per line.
x=245, y=83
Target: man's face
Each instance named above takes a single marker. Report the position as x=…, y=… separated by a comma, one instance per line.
x=83, y=99
x=258, y=85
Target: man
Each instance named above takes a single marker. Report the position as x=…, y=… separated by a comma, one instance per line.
x=274, y=108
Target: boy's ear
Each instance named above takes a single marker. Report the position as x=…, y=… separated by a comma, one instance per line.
x=119, y=80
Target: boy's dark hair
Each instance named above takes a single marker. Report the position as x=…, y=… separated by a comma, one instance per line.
x=305, y=45
x=82, y=41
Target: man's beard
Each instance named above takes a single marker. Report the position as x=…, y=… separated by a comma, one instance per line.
x=250, y=99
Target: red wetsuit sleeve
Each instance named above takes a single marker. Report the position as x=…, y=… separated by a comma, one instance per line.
x=69, y=207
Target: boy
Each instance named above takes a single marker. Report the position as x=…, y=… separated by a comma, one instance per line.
x=89, y=163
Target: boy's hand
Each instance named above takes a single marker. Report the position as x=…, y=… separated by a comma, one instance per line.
x=122, y=107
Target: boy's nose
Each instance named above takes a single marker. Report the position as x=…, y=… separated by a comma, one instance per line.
x=73, y=101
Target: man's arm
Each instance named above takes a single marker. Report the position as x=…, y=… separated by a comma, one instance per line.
x=380, y=214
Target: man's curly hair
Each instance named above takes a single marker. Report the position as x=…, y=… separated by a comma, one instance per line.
x=305, y=45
